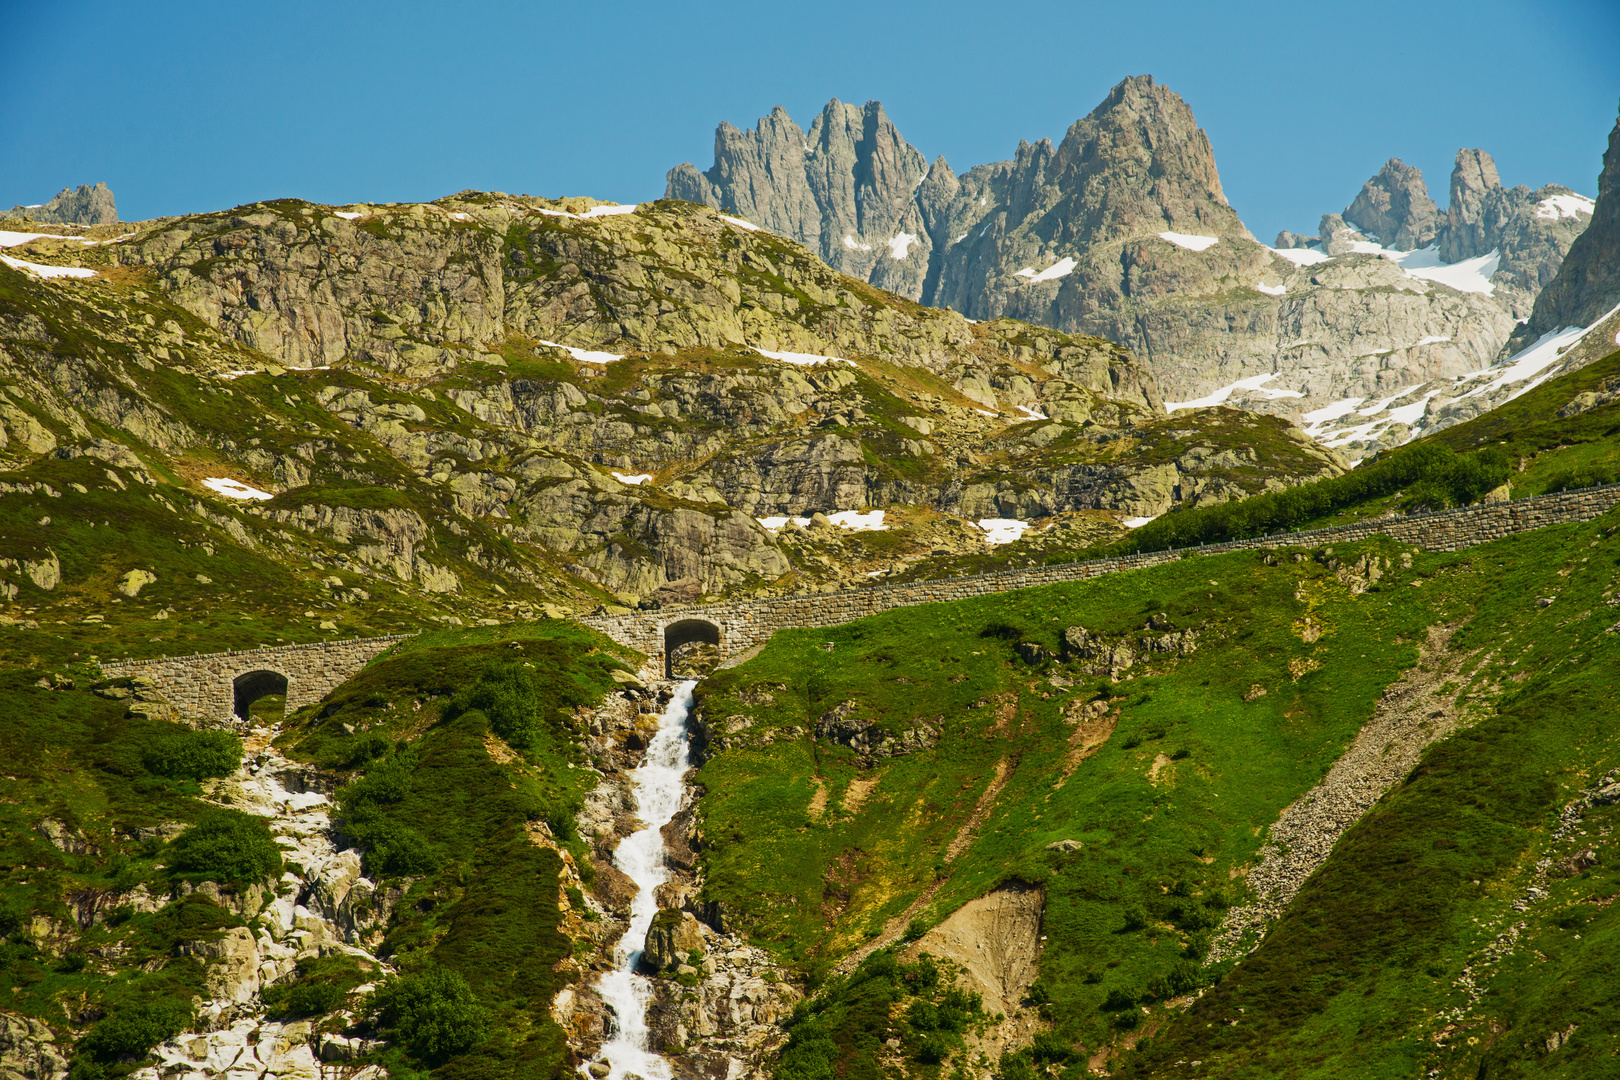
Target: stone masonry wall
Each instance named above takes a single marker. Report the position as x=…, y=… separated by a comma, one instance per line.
x=202, y=686
x=744, y=624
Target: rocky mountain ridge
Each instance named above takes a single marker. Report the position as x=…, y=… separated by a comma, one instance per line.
x=1123, y=231
x=85, y=206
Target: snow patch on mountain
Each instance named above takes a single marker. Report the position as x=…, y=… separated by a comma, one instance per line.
x=1253, y=384
x=1189, y=241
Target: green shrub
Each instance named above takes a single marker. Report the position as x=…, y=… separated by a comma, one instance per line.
x=130, y=1033
x=12, y=916
x=1433, y=475
x=509, y=695
x=432, y=1014
x=1119, y=998
x=226, y=846
x=302, y=999
x=194, y=755
x=386, y=780
x=320, y=986
x=1136, y=918
x=391, y=849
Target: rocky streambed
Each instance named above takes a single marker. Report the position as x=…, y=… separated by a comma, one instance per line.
x=323, y=905
x=674, y=991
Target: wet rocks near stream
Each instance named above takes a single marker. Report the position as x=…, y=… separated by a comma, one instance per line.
x=718, y=1017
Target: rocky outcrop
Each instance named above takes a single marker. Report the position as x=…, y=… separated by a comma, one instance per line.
x=672, y=940
x=85, y=205
x=843, y=724
x=1587, y=285
x=1530, y=232
x=1104, y=655
x=407, y=290
x=28, y=1050
x=1395, y=207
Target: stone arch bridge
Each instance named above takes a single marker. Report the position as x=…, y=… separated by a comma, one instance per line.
x=216, y=686
x=740, y=626
x=220, y=686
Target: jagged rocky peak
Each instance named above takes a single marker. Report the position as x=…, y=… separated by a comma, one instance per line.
x=85, y=206
x=1395, y=207
x=1587, y=285
x=1139, y=160
x=844, y=189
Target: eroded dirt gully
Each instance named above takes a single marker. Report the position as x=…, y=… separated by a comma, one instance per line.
x=719, y=1019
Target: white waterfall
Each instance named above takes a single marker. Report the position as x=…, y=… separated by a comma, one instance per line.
x=658, y=790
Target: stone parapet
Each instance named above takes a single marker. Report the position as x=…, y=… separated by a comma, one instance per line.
x=746, y=623
x=202, y=686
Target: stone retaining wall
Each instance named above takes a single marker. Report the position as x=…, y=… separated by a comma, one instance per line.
x=202, y=686
x=746, y=623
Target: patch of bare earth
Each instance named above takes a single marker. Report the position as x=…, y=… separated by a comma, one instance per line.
x=1414, y=712
x=818, y=801
x=996, y=942
x=1093, y=725
x=1159, y=762
x=981, y=810
x=857, y=792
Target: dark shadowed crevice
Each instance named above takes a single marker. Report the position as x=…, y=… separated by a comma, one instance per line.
x=253, y=685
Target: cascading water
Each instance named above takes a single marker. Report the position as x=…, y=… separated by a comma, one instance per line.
x=658, y=790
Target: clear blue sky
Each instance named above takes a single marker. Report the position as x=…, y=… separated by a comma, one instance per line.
x=187, y=106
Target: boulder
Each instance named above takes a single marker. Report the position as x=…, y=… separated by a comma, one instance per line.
x=672, y=937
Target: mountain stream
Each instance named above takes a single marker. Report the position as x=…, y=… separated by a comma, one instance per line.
x=658, y=791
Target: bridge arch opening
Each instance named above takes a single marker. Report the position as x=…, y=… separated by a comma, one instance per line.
x=265, y=689
x=691, y=648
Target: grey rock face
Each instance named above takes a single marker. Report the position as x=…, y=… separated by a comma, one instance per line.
x=408, y=292
x=1395, y=207
x=1528, y=229
x=1336, y=236
x=1587, y=284
x=1069, y=236
x=85, y=206
x=845, y=190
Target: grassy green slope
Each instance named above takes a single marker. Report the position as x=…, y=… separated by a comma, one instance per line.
x=85, y=948
x=1354, y=981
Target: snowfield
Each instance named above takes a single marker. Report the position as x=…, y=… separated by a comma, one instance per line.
x=1564, y=206
x=854, y=520
x=234, y=489
x=40, y=270
x=1190, y=242
x=801, y=358
x=1002, y=530
x=1255, y=383
x=586, y=356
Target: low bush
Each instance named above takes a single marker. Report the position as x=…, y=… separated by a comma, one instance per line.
x=509, y=695
x=391, y=849
x=226, y=846
x=130, y=1033
x=1433, y=476
x=320, y=986
x=194, y=755
x=433, y=1014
